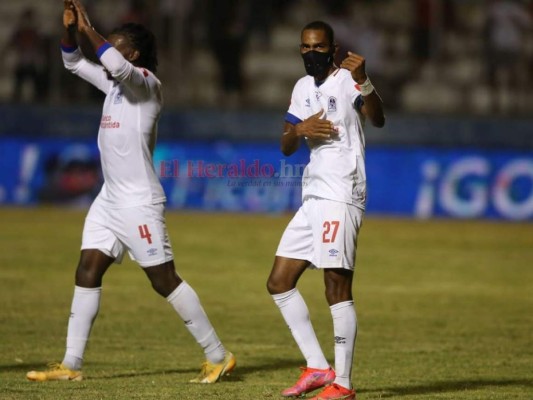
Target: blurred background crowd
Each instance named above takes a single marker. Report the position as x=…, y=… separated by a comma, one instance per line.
x=470, y=57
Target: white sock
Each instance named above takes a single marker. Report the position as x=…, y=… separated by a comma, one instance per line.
x=345, y=330
x=187, y=304
x=296, y=315
x=85, y=305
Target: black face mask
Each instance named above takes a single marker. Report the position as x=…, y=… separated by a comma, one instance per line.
x=317, y=63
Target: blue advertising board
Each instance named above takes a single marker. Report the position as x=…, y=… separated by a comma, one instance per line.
x=256, y=177
x=451, y=183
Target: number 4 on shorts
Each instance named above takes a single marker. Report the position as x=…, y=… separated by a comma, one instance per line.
x=145, y=233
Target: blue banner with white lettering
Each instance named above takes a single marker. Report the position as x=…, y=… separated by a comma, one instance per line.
x=256, y=177
x=451, y=183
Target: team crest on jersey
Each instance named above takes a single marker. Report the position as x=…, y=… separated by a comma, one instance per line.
x=332, y=104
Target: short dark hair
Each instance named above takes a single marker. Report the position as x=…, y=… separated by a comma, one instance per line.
x=321, y=26
x=143, y=40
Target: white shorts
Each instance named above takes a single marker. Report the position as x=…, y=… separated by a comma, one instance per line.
x=139, y=230
x=323, y=232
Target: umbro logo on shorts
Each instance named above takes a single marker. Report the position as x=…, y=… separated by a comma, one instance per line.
x=333, y=253
x=152, y=251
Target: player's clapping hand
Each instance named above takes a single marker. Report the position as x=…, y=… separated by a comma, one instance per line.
x=81, y=15
x=356, y=65
x=316, y=128
x=69, y=14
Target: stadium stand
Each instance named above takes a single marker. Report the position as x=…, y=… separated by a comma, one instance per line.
x=436, y=50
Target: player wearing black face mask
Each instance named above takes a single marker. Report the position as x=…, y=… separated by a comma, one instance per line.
x=317, y=63
x=328, y=108
x=318, y=50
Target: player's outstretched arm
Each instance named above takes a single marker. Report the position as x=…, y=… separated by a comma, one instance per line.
x=373, y=106
x=119, y=64
x=69, y=23
x=73, y=58
x=85, y=27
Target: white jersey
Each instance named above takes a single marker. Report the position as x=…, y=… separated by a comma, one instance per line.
x=336, y=170
x=128, y=128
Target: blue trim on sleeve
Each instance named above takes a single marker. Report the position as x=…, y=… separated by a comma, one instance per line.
x=68, y=49
x=292, y=119
x=358, y=103
x=101, y=50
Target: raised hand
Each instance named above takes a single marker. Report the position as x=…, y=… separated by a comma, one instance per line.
x=356, y=65
x=315, y=127
x=69, y=15
x=81, y=15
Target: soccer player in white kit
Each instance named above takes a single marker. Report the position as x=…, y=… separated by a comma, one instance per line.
x=328, y=108
x=128, y=213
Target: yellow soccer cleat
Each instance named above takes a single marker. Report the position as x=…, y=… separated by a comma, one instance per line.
x=55, y=372
x=211, y=373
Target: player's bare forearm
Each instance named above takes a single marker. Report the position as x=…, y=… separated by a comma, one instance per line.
x=69, y=37
x=85, y=27
x=290, y=141
x=373, y=109
x=69, y=23
x=94, y=37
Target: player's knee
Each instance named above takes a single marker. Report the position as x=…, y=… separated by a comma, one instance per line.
x=163, y=284
x=276, y=286
x=336, y=295
x=87, y=276
x=91, y=268
x=271, y=287
x=162, y=287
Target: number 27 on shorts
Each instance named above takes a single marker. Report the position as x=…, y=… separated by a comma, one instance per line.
x=330, y=231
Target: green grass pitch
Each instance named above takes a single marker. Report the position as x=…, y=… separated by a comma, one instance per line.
x=445, y=310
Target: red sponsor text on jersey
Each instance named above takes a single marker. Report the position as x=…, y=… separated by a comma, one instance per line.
x=108, y=123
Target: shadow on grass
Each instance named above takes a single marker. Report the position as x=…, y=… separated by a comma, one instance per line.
x=447, y=386
x=237, y=376
x=22, y=367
